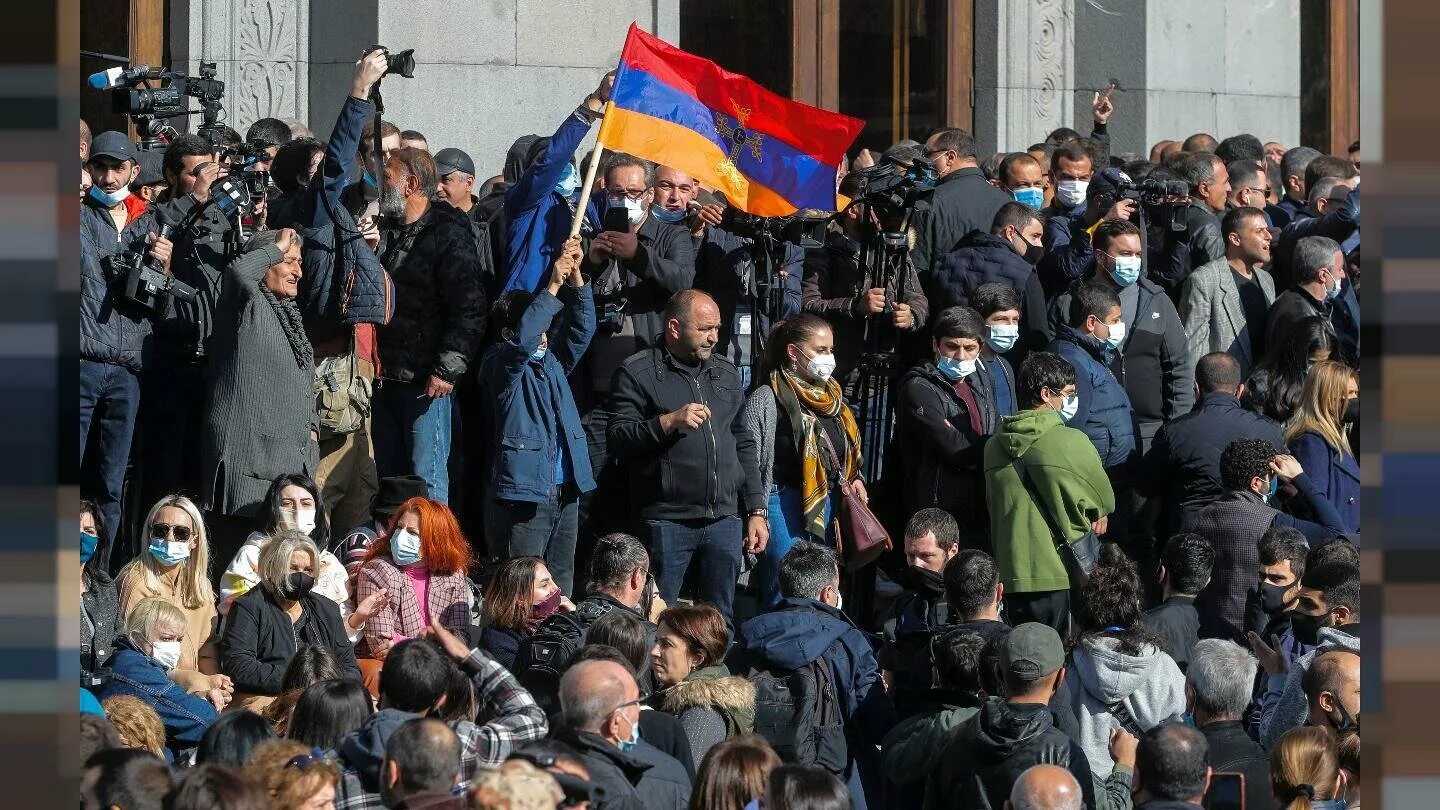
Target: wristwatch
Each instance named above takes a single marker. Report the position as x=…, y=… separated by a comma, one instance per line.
x=757, y=513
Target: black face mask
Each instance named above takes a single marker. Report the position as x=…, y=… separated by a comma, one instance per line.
x=295, y=586
x=1272, y=597
x=927, y=583
x=1348, y=723
x=1033, y=253
x=1352, y=412
x=1307, y=628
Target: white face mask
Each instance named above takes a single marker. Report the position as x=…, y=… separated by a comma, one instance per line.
x=1117, y=335
x=301, y=519
x=166, y=653
x=1071, y=193
x=820, y=367
x=1069, y=406
x=634, y=209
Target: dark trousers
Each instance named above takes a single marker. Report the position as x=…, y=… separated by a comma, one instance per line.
x=1045, y=607
x=715, y=543
x=546, y=529
x=109, y=400
x=167, y=441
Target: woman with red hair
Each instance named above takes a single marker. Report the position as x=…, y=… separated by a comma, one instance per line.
x=422, y=561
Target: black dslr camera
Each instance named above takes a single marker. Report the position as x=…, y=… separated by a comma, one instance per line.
x=891, y=189
x=400, y=64
x=145, y=281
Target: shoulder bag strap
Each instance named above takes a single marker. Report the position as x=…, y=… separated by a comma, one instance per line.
x=1056, y=535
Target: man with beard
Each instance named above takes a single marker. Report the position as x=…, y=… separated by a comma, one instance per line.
x=932, y=539
x=439, y=319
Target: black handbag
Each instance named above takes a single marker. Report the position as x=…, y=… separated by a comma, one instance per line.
x=1080, y=555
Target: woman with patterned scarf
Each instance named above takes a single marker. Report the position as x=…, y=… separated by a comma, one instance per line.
x=808, y=441
x=260, y=418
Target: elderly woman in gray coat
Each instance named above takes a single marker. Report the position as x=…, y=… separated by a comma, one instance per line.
x=260, y=421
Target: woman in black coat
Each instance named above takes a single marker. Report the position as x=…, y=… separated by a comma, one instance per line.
x=99, y=599
x=267, y=626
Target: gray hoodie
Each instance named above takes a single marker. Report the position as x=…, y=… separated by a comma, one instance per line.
x=1291, y=708
x=1110, y=689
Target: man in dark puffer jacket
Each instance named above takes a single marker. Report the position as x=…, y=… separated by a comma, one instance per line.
x=1006, y=254
x=439, y=320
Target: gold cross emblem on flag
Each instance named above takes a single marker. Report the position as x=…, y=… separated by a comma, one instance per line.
x=733, y=130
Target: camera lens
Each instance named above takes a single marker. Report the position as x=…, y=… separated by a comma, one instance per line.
x=402, y=63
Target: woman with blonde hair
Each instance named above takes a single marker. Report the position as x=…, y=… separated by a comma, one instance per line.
x=176, y=567
x=268, y=625
x=1316, y=435
x=154, y=634
x=1305, y=770
x=294, y=776
x=138, y=724
x=515, y=785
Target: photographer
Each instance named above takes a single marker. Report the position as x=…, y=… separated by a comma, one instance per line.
x=344, y=292
x=963, y=201
x=836, y=288
x=170, y=422
x=1209, y=187
x=724, y=264
x=115, y=333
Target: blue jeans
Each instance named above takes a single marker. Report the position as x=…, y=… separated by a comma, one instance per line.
x=717, y=545
x=109, y=400
x=787, y=526
x=412, y=435
x=546, y=530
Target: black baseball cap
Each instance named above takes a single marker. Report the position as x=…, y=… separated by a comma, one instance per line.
x=453, y=160
x=114, y=144
x=1032, y=651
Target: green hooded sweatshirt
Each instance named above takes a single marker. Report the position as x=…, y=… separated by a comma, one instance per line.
x=1065, y=470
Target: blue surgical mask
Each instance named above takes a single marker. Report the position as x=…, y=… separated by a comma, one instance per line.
x=1126, y=270
x=1002, y=336
x=1069, y=406
x=370, y=178
x=88, y=542
x=1033, y=197
x=109, y=200
x=1116, y=336
x=1274, y=487
x=954, y=368
x=629, y=745
x=569, y=181
x=539, y=353
x=405, y=548
x=666, y=215
x=1331, y=293
x=169, y=552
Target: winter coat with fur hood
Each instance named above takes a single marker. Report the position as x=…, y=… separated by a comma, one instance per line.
x=712, y=705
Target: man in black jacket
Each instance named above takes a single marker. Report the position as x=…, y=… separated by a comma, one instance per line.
x=964, y=200
x=932, y=539
x=114, y=332
x=1006, y=254
x=1318, y=270
x=1209, y=187
x=1333, y=210
x=1219, y=685
x=944, y=413
x=1011, y=733
x=600, y=712
x=1183, y=463
x=693, y=467
x=439, y=320
x=1172, y=770
x=1184, y=572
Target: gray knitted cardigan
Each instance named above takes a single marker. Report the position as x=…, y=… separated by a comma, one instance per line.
x=759, y=415
x=261, y=400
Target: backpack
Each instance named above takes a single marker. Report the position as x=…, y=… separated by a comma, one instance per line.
x=543, y=657
x=798, y=712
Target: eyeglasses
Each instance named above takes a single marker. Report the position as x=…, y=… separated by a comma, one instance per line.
x=644, y=696
x=627, y=194
x=933, y=152
x=317, y=756
x=181, y=533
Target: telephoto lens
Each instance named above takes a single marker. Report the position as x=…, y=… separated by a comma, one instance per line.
x=400, y=64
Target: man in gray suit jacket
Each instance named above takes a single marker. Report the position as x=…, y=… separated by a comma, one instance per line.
x=1223, y=304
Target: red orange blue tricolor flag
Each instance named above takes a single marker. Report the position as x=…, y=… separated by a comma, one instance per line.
x=768, y=154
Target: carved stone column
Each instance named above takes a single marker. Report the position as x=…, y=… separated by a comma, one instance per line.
x=1024, y=69
x=261, y=49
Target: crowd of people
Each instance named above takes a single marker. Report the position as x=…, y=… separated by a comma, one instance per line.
x=399, y=495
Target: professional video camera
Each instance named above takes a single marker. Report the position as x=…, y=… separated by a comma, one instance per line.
x=146, y=282
x=892, y=189
x=1160, y=198
x=147, y=106
x=804, y=228
x=242, y=160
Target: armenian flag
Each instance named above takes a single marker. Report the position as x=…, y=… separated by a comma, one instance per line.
x=768, y=154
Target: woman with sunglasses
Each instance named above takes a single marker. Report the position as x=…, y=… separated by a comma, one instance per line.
x=176, y=567
x=295, y=776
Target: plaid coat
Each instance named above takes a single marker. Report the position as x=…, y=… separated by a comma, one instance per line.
x=1234, y=525
x=448, y=602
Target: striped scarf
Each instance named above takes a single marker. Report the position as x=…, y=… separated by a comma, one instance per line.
x=804, y=403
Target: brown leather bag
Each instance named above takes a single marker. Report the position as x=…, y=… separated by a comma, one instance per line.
x=860, y=538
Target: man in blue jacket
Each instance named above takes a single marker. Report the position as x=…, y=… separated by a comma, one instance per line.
x=1090, y=341
x=541, y=463
x=808, y=625
x=541, y=204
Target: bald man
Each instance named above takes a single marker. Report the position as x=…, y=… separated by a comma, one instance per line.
x=1332, y=688
x=693, y=466
x=1045, y=787
x=421, y=764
